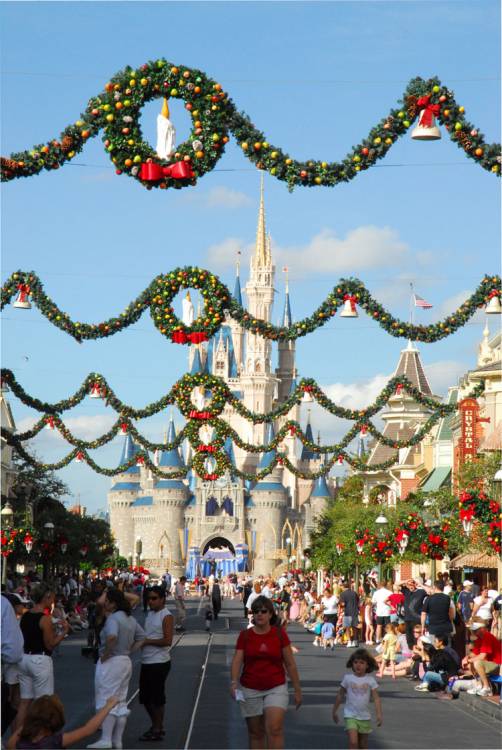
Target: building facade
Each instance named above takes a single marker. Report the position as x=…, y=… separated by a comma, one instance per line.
x=179, y=524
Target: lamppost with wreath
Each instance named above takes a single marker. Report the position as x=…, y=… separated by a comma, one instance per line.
x=432, y=518
x=382, y=524
x=7, y=515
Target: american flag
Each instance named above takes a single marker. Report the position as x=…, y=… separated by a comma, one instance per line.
x=421, y=302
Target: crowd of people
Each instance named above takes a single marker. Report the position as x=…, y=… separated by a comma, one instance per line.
x=444, y=637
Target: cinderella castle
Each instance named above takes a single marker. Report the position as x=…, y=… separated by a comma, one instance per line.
x=228, y=525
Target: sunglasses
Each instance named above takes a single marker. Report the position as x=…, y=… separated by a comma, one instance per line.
x=259, y=611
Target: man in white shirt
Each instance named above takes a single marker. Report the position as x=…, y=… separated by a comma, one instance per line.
x=155, y=662
x=179, y=598
x=382, y=610
x=282, y=581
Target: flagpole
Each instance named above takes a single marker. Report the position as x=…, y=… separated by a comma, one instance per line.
x=412, y=300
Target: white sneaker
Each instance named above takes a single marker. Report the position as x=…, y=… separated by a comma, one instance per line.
x=484, y=691
x=314, y=643
x=104, y=744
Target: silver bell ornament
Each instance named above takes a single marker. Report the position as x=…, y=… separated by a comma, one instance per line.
x=349, y=307
x=494, y=307
x=22, y=299
x=426, y=128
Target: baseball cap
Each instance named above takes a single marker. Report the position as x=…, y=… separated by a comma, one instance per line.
x=468, y=583
x=477, y=625
x=427, y=639
x=20, y=599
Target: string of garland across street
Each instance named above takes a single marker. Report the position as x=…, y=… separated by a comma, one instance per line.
x=116, y=111
x=219, y=306
x=217, y=395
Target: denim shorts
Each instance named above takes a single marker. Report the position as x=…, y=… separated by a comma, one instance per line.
x=258, y=700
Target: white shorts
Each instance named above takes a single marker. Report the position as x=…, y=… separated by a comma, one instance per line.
x=112, y=678
x=36, y=676
x=258, y=700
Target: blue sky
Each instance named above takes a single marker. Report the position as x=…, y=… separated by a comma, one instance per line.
x=314, y=77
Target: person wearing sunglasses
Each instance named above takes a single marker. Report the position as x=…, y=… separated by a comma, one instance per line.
x=263, y=656
x=155, y=662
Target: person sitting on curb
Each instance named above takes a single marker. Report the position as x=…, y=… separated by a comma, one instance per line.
x=485, y=657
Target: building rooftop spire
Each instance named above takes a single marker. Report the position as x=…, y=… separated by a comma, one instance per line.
x=287, y=318
x=261, y=257
x=237, y=288
x=411, y=366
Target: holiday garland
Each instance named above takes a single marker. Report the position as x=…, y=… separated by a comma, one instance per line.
x=476, y=505
x=209, y=459
x=117, y=111
x=219, y=305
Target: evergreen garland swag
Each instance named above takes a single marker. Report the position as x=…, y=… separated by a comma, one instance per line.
x=117, y=109
x=219, y=395
x=219, y=305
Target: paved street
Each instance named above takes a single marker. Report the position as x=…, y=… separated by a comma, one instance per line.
x=411, y=720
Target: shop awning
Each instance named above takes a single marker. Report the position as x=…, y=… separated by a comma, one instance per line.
x=469, y=560
x=438, y=477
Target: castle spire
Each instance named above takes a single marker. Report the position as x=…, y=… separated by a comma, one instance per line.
x=262, y=257
x=237, y=288
x=287, y=318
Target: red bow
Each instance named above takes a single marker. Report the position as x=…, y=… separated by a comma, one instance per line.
x=399, y=388
x=123, y=427
x=202, y=448
x=350, y=298
x=466, y=514
x=428, y=111
x=340, y=459
x=210, y=477
x=50, y=422
x=494, y=293
x=364, y=429
x=24, y=291
x=193, y=414
x=152, y=172
x=401, y=534
x=196, y=337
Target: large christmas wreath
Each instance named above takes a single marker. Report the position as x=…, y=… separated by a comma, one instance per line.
x=117, y=110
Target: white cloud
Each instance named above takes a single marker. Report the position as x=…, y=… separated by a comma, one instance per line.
x=224, y=254
x=449, y=305
x=83, y=427
x=219, y=197
x=443, y=374
x=366, y=247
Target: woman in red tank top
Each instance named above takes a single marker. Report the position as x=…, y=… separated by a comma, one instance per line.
x=262, y=658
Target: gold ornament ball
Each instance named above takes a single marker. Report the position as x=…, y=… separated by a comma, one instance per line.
x=461, y=110
x=109, y=118
x=458, y=126
x=400, y=115
x=244, y=146
x=289, y=161
x=318, y=180
x=406, y=123
x=435, y=89
x=144, y=81
x=137, y=159
x=377, y=140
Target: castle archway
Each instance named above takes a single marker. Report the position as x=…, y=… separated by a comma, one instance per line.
x=218, y=543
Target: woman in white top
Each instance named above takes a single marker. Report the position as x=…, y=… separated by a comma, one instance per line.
x=483, y=606
x=155, y=662
x=329, y=603
x=120, y=636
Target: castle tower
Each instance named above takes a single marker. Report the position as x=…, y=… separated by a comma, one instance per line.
x=125, y=489
x=286, y=371
x=315, y=506
x=236, y=329
x=258, y=384
x=267, y=513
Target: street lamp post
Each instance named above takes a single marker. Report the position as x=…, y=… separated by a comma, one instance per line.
x=382, y=524
x=431, y=518
x=139, y=550
x=288, y=552
x=7, y=520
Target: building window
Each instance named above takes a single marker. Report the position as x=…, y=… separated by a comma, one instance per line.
x=211, y=506
x=227, y=506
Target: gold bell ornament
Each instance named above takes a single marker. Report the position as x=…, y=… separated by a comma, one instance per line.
x=166, y=134
x=23, y=299
x=494, y=307
x=349, y=307
x=426, y=128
